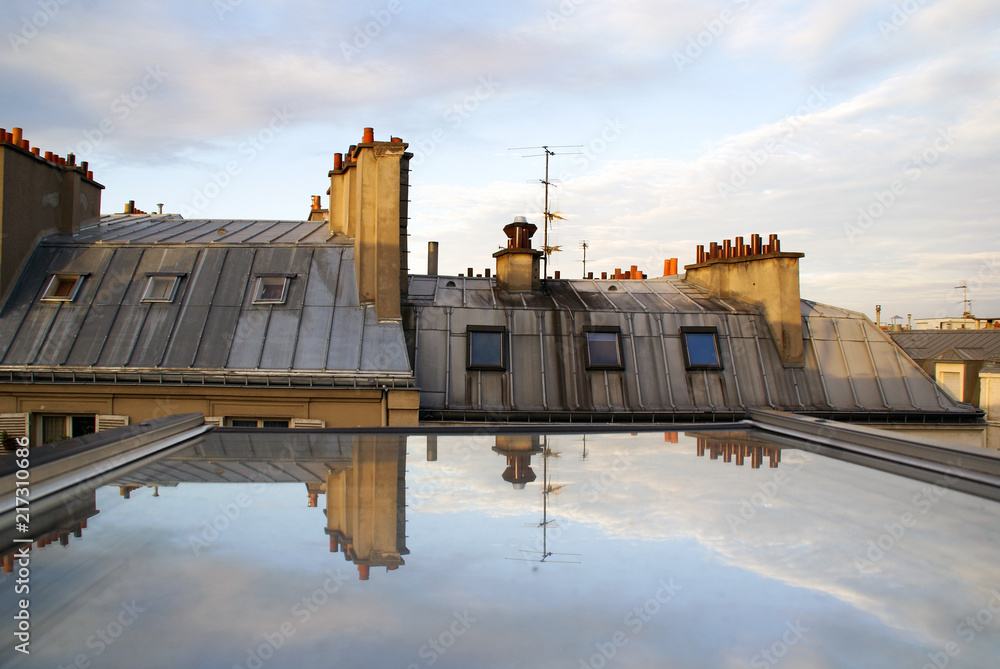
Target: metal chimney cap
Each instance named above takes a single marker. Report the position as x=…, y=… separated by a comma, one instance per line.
x=520, y=219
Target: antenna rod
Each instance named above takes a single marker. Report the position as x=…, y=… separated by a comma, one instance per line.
x=545, y=243
x=546, y=214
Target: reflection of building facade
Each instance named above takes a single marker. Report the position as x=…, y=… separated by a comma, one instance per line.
x=738, y=449
x=362, y=477
x=365, y=505
x=54, y=525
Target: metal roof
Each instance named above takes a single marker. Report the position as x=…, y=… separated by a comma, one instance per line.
x=174, y=229
x=957, y=345
x=851, y=366
x=212, y=331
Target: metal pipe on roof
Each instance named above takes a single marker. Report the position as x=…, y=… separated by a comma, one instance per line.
x=447, y=354
x=635, y=359
x=541, y=353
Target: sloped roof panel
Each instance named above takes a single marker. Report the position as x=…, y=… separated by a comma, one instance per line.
x=212, y=324
x=850, y=365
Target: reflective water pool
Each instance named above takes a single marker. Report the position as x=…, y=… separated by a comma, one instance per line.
x=711, y=549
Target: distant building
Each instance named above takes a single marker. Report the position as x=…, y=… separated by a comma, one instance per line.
x=954, y=358
x=966, y=322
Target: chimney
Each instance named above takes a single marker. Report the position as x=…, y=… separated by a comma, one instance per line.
x=316, y=210
x=38, y=197
x=518, y=264
x=432, y=258
x=764, y=277
x=369, y=196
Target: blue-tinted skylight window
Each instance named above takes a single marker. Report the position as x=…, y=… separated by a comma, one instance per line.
x=486, y=349
x=702, y=348
x=604, y=350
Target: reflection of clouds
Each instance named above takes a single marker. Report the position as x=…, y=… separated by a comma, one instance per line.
x=662, y=517
x=806, y=533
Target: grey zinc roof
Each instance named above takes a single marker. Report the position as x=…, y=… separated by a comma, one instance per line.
x=212, y=329
x=956, y=345
x=851, y=366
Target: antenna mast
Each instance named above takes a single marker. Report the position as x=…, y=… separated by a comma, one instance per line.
x=546, y=214
x=584, y=245
x=966, y=302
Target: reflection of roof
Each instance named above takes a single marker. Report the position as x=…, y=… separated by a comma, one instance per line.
x=212, y=331
x=256, y=456
x=851, y=366
x=958, y=345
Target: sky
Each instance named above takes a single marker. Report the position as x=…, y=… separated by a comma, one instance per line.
x=866, y=134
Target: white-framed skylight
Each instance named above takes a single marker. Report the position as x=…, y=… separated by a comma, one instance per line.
x=271, y=289
x=161, y=288
x=62, y=287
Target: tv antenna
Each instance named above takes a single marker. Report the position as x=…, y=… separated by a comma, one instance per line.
x=966, y=302
x=548, y=215
x=584, y=245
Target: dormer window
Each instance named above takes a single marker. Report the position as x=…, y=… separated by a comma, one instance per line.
x=161, y=288
x=271, y=289
x=62, y=287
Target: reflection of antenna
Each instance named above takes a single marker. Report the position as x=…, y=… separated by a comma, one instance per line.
x=966, y=302
x=547, y=488
x=546, y=214
x=584, y=245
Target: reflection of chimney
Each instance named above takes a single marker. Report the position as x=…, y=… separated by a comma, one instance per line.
x=432, y=448
x=518, y=449
x=365, y=504
x=761, y=275
x=518, y=264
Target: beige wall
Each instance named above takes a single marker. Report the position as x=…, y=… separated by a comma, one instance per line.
x=338, y=408
x=368, y=198
x=964, y=435
x=770, y=282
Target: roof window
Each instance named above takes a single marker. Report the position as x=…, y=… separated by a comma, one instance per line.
x=701, y=347
x=604, y=348
x=271, y=289
x=161, y=288
x=486, y=347
x=62, y=287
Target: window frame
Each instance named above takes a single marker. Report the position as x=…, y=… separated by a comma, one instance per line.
x=701, y=329
x=151, y=277
x=470, y=330
x=55, y=280
x=594, y=329
x=258, y=423
x=259, y=288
